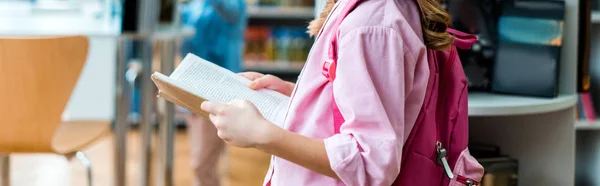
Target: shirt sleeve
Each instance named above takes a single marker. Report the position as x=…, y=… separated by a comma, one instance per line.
x=230, y=10
x=372, y=81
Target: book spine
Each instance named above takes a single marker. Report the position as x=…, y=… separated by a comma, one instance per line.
x=589, y=107
x=577, y=115
x=580, y=108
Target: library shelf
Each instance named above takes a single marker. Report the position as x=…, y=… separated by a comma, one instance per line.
x=490, y=104
x=587, y=125
x=274, y=67
x=596, y=16
x=278, y=12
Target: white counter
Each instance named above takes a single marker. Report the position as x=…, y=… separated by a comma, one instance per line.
x=93, y=97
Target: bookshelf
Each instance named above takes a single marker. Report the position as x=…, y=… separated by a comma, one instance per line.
x=275, y=67
x=489, y=104
x=276, y=40
x=586, y=125
x=596, y=16
x=539, y=132
x=588, y=132
x=266, y=12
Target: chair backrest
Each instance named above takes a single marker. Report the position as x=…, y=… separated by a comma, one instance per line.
x=38, y=76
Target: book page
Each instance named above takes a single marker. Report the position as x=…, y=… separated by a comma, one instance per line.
x=218, y=84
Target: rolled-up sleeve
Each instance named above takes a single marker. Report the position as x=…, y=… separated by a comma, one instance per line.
x=370, y=89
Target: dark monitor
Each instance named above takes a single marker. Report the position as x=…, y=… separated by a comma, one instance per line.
x=167, y=12
x=142, y=16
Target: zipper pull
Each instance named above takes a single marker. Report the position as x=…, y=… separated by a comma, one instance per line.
x=441, y=157
x=470, y=182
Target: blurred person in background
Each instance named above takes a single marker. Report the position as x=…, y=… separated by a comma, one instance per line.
x=220, y=26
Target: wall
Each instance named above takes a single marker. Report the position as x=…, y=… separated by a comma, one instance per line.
x=93, y=97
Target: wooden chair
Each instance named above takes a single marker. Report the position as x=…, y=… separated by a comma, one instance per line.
x=38, y=77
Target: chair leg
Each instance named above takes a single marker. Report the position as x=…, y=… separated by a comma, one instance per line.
x=5, y=169
x=85, y=161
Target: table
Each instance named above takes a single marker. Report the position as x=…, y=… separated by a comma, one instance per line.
x=166, y=38
x=24, y=22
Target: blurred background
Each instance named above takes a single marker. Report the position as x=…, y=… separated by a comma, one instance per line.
x=534, y=81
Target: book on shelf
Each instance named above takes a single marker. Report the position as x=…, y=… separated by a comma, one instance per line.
x=500, y=171
x=586, y=110
x=276, y=44
x=579, y=109
x=196, y=80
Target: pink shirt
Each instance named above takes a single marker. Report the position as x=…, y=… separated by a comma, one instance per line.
x=382, y=75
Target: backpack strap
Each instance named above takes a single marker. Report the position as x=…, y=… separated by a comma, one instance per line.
x=462, y=40
x=329, y=65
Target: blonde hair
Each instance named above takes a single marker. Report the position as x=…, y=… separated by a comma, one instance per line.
x=434, y=21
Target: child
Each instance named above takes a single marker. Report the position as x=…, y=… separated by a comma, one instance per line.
x=380, y=84
x=219, y=37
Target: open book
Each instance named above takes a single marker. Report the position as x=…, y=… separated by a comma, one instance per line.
x=196, y=80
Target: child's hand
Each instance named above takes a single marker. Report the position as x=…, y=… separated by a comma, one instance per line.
x=268, y=81
x=238, y=123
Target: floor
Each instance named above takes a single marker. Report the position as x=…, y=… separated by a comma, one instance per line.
x=247, y=166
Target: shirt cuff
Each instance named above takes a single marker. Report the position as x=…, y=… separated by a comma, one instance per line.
x=342, y=152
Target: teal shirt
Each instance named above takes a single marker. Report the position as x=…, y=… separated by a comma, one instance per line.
x=220, y=26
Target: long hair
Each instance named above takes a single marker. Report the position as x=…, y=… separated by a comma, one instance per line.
x=434, y=21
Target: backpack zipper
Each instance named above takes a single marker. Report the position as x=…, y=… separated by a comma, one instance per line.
x=441, y=157
x=466, y=181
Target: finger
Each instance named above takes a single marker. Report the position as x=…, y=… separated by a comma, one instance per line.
x=251, y=75
x=223, y=136
x=219, y=125
x=213, y=119
x=242, y=103
x=213, y=107
x=235, y=102
x=267, y=81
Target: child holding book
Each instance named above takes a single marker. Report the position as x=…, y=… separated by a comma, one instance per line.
x=219, y=38
x=380, y=84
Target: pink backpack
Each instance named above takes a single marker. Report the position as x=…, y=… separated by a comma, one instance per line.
x=436, y=151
